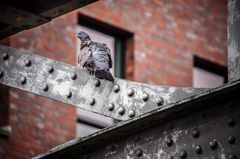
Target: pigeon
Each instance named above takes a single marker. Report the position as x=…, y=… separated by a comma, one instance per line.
x=95, y=57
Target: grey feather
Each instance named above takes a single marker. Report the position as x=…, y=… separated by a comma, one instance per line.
x=95, y=57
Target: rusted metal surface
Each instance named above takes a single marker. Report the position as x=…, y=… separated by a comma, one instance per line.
x=16, y=16
x=204, y=126
x=233, y=40
x=120, y=100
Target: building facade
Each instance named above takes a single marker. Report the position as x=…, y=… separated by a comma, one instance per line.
x=155, y=41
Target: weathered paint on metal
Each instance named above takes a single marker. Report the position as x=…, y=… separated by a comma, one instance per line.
x=204, y=126
x=76, y=87
x=233, y=35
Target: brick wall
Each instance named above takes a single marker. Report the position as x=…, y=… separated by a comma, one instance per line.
x=167, y=34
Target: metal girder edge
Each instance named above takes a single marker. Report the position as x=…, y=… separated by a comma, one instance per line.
x=233, y=38
x=159, y=116
x=69, y=84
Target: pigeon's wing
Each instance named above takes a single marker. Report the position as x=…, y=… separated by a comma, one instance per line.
x=101, y=55
x=84, y=56
x=110, y=58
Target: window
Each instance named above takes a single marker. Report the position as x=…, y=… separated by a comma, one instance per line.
x=207, y=74
x=117, y=40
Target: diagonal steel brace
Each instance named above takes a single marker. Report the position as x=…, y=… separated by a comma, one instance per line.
x=69, y=84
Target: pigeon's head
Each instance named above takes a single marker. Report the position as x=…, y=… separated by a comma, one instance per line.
x=83, y=36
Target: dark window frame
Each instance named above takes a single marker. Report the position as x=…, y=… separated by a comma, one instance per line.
x=211, y=67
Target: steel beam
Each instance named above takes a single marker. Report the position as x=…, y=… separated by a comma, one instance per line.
x=205, y=126
x=16, y=16
x=120, y=100
x=233, y=39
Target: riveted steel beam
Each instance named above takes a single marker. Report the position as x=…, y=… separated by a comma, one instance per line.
x=205, y=126
x=16, y=16
x=233, y=37
x=120, y=100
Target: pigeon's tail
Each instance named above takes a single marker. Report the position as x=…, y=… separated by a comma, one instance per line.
x=103, y=74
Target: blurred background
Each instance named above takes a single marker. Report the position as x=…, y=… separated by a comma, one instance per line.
x=166, y=42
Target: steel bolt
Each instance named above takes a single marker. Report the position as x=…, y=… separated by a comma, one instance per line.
x=198, y=149
x=160, y=101
x=231, y=122
x=69, y=94
x=1, y=74
x=130, y=92
x=145, y=97
x=5, y=56
x=231, y=156
x=169, y=141
x=183, y=154
x=121, y=110
x=213, y=144
x=116, y=88
x=195, y=132
x=23, y=80
x=27, y=62
x=110, y=106
x=231, y=139
x=73, y=76
x=131, y=113
x=50, y=69
x=45, y=88
x=92, y=101
x=139, y=153
x=97, y=82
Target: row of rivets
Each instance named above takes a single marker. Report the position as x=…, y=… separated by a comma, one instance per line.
x=159, y=101
x=120, y=110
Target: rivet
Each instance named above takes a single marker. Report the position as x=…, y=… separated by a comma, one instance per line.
x=5, y=56
x=23, y=80
x=131, y=113
x=92, y=101
x=110, y=106
x=97, y=82
x=116, y=88
x=121, y=110
x=231, y=156
x=69, y=94
x=139, y=153
x=130, y=92
x=50, y=69
x=73, y=76
x=145, y=97
x=27, y=62
x=198, y=149
x=213, y=144
x=231, y=122
x=1, y=74
x=45, y=88
x=160, y=101
x=169, y=141
x=195, y=132
x=183, y=154
x=231, y=139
